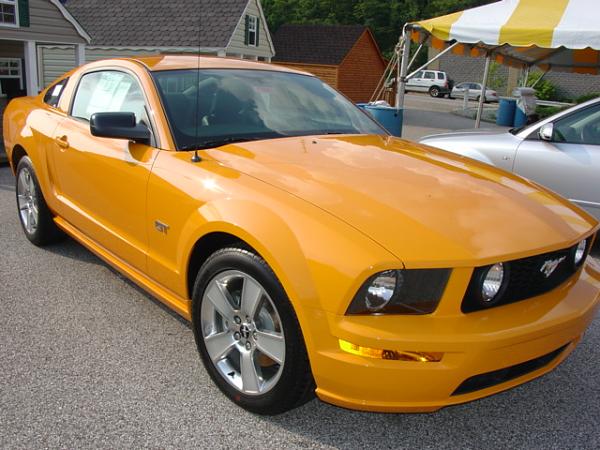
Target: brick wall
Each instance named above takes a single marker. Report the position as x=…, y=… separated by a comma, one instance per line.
x=461, y=68
x=329, y=74
x=573, y=85
x=570, y=85
x=361, y=70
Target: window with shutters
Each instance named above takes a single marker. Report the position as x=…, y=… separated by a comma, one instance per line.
x=252, y=31
x=9, y=13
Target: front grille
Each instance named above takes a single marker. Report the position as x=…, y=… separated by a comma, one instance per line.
x=525, y=278
x=489, y=379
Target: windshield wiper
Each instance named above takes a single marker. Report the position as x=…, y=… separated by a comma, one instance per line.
x=213, y=143
x=216, y=143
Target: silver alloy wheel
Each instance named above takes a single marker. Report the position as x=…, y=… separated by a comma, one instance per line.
x=242, y=332
x=27, y=200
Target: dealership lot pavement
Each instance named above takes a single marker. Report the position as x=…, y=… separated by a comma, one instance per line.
x=88, y=360
x=425, y=115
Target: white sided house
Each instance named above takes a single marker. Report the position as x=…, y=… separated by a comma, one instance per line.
x=235, y=28
x=25, y=25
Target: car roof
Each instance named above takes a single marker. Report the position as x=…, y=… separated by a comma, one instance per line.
x=178, y=62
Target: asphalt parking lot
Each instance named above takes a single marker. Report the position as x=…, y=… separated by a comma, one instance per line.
x=88, y=360
x=424, y=115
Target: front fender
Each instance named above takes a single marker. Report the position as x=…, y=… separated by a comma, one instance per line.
x=318, y=259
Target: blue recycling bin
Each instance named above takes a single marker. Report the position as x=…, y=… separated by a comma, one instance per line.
x=506, y=112
x=389, y=118
x=520, y=118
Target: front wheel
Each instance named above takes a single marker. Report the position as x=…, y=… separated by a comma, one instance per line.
x=248, y=335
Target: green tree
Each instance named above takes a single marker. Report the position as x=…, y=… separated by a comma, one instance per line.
x=544, y=89
x=385, y=17
x=496, y=80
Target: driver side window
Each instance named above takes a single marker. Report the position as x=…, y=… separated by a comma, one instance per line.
x=581, y=127
x=109, y=91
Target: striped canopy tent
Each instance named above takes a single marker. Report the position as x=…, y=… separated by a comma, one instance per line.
x=561, y=35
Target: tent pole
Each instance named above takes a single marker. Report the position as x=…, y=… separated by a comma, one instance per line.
x=540, y=78
x=435, y=58
x=402, y=68
x=525, y=76
x=486, y=72
x=389, y=70
x=412, y=60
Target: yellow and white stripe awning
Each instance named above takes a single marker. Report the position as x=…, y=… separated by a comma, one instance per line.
x=551, y=34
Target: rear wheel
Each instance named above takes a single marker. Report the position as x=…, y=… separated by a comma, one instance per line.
x=35, y=217
x=248, y=335
x=434, y=91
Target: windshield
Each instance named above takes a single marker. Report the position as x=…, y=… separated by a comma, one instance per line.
x=208, y=108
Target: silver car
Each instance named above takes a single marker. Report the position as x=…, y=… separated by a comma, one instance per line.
x=561, y=152
x=474, y=90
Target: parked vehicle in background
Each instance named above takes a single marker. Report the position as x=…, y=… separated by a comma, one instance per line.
x=435, y=82
x=561, y=152
x=474, y=90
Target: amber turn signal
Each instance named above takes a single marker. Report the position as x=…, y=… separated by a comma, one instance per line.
x=390, y=354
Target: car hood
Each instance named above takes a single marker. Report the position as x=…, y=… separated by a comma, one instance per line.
x=426, y=206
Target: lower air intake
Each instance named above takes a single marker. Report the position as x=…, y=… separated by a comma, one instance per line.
x=489, y=379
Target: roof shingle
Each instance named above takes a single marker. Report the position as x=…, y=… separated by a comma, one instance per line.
x=158, y=23
x=315, y=44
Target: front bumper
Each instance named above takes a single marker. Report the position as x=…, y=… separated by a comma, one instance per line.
x=473, y=344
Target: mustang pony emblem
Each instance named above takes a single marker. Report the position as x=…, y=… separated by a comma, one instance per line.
x=550, y=266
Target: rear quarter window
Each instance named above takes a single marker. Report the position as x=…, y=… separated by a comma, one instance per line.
x=54, y=93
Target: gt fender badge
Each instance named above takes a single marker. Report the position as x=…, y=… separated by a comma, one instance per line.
x=161, y=227
x=550, y=266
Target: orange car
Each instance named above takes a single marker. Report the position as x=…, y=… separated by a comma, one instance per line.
x=308, y=247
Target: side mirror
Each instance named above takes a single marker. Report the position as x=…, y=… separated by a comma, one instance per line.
x=119, y=125
x=546, y=132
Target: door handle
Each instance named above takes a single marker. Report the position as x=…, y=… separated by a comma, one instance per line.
x=62, y=141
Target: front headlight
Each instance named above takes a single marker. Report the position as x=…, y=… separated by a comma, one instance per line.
x=488, y=284
x=416, y=291
x=381, y=289
x=492, y=282
x=579, y=253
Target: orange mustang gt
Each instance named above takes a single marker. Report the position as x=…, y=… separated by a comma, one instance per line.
x=311, y=251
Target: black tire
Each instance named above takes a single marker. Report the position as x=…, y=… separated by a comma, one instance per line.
x=45, y=231
x=434, y=91
x=295, y=384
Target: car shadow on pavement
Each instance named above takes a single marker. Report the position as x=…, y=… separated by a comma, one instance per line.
x=7, y=185
x=72, y=249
